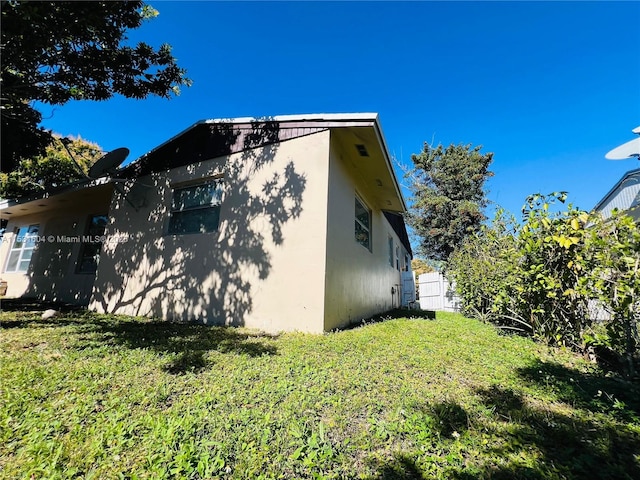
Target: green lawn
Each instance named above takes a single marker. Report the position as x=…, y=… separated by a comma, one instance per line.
x=95, y=396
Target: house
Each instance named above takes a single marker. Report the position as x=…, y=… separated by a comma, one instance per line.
x=624, y=196
x=282, y=223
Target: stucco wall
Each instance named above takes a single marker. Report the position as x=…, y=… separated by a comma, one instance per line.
x=52, y=272
x=263, y=268
x=358, y=281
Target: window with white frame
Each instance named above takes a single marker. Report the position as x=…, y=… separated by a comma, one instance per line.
x=22, y=249
x=196, y=208
x=363, y=225
x=397, y=258
x=391, y=252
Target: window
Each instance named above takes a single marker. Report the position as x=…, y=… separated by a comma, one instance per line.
x=21, y=252
x=196, y=209
x=91, y=244
x=398, y=258
x=363, y=225
x=391, y=252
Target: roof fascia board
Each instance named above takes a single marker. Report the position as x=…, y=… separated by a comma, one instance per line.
x=387, y=158
x=324, y=118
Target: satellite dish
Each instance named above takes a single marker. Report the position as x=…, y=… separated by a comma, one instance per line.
x=108, y=164
x=626, y=150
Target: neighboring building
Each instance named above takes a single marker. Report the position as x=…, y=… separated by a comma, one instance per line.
x=624, y=196
x=285, y=223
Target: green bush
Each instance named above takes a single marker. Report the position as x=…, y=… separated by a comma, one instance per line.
x=540, y=277
x=484, y=266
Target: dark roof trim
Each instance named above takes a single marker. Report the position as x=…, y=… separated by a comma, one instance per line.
x=397, y=223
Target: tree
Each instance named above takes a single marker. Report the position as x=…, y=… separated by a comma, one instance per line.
x=420, y=266
x=448, y=196
x=53, y=52
x=53, y=169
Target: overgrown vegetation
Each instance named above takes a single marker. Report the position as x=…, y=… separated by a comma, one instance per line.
x=52, y=170
x=547, y=275
x=94, y=396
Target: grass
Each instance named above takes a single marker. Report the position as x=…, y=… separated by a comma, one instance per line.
x=95, y=396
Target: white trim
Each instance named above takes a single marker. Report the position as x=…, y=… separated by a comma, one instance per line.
x=369, y=228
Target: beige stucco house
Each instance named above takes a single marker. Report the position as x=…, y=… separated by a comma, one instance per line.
x=286, y=223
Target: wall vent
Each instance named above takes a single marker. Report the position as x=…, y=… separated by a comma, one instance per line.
x=362, y=150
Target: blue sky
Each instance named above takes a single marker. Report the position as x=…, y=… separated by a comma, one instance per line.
x=549, y=87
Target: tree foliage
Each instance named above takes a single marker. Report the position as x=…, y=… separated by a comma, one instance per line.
x=420, y=266
x=448, y=196
x=551, y=264
x=53, y=52
x=544, y=276
x=52, y=170
x=483, y=267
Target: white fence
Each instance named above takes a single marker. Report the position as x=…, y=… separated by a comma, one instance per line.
x=436, y=293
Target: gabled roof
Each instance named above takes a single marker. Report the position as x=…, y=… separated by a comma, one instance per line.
x=214, y=138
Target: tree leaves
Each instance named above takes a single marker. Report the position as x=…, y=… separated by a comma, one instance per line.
x=54, y=169
x=53, y=52
x=547, y=272
x=448, y=196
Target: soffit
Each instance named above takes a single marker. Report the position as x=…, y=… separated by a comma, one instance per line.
x=373, y=170
x=72, y=198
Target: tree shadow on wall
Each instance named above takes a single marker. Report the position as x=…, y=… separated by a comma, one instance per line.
x=209, y=277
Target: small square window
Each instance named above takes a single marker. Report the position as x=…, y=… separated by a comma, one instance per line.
x=363, y=225
x=196, y=209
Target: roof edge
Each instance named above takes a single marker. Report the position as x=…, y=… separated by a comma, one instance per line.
x=6, y=203
x=614, y=188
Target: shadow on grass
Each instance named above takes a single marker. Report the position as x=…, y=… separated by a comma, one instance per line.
x=187, y=343
x=594, y=392
x=586, y=427
x=392, y=315
x=567, y=445
x=190, y=342
x=447, y=419
x=400, y=467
